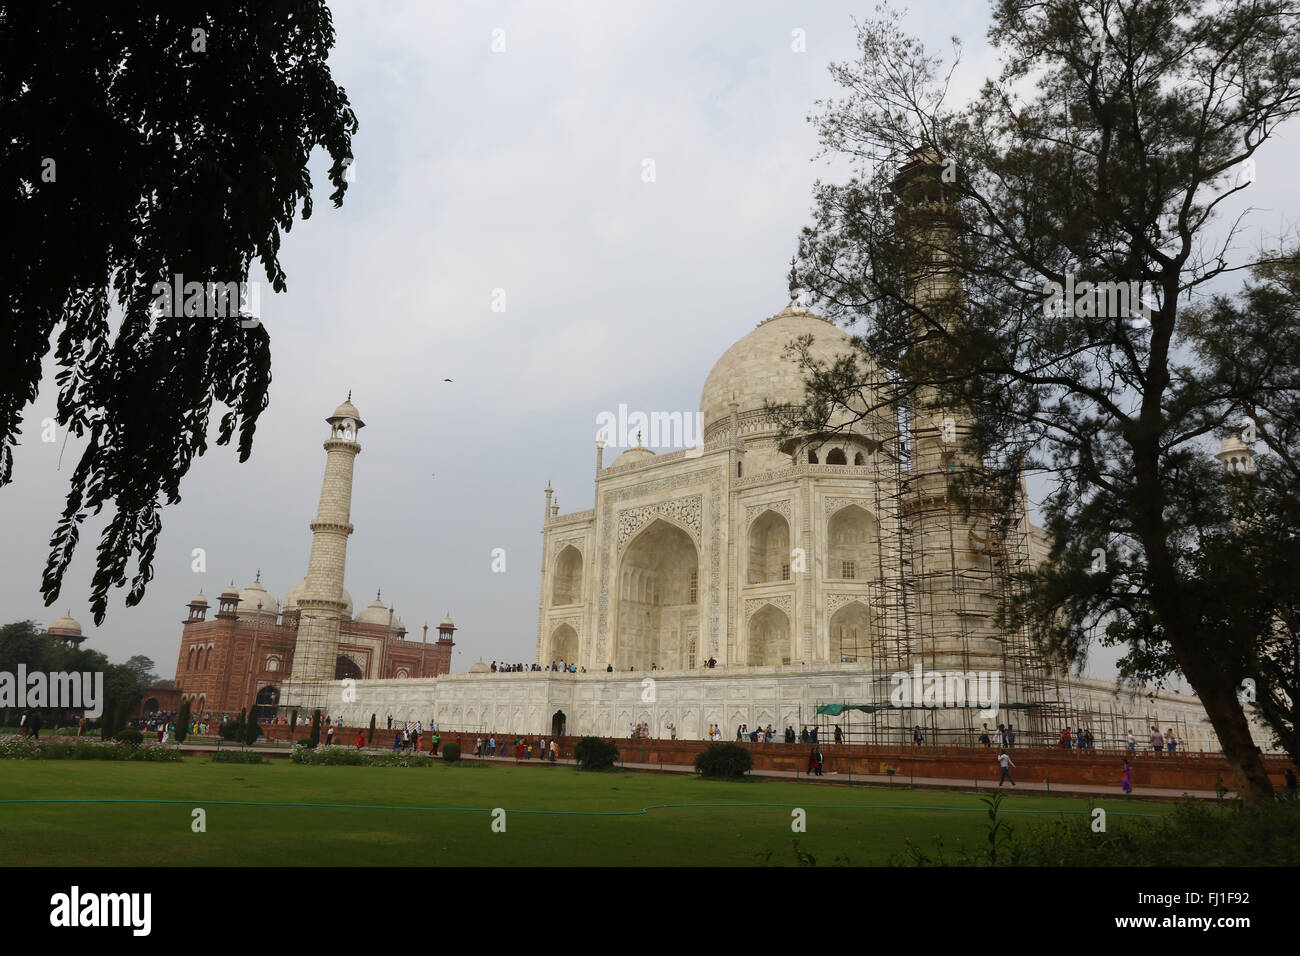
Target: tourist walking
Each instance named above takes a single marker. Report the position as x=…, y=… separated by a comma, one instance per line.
x=1004, y=761
x=918, y=738
x=329, y=737
x=1132, y=743
x=1171, y=742
x=1126, y=778
x=1157, y=740
x=1010, y=736
x=984, y=735
x=437, y=739
x=361, y=739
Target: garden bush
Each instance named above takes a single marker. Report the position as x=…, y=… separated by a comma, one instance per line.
x=129, y=735
x=25, y=748
x=728, y=761
x=229, y=730
x=306, y=742
x=595, y=753
x=328, y=756
x=451, y=752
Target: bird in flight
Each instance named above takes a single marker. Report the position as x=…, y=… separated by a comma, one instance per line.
x=447, y=380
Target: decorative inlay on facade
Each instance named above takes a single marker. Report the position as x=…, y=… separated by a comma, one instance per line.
x=837, y=600
x=781, y=507
x=564, y=543
x=781, y=601
x=684, y=511
x=835, y=504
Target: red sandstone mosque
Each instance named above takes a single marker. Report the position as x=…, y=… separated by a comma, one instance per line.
x=241, y=656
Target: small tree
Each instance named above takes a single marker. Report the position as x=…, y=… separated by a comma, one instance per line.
x=451, y=753
x=371, y=741
x=315, y=728
x=595, y=753
x=251, y=731
x=724, y=760
x=293, y=721
x=183, y=722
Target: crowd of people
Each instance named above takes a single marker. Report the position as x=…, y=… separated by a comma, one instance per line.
x=558, y=666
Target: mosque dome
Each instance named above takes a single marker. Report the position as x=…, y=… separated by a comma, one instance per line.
x=65, y=626
x=447, y=622
x=757, y=368
x=296, y=592
x=479, y=668
x=252, y=596
x=375, y=613
x=199, y=600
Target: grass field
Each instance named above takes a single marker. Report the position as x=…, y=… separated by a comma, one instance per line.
x=577, y=818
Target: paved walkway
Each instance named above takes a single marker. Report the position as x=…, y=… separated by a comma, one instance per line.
x=900, y=781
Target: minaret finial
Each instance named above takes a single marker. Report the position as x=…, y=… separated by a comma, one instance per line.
x=349, y=395
x=258, y=579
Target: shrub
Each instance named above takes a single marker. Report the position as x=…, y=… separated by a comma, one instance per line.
x=236, y=756
x=451, y=752
x=229, y=730
x=724, y=760
x=24, y=748
x=129, y=735
x=306, y=742
x=183, y=722
x=315, y=728
x=370, y=742
x=250, y=732
x=66, y=732
x=595, y=753
x=351, y=757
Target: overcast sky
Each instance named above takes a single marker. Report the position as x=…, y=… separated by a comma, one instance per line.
x=520, y=171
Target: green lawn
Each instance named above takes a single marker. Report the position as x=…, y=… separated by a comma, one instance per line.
x=581, y=827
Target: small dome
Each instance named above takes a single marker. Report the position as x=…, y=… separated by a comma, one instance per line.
x=199, y=599
x=375, y=613
x=230, y=592
x=1233, y=445
x=65, y=626
x=633, y=455
x=347, y=410
x=479, y=668
x=256, y=594
x=447, y=622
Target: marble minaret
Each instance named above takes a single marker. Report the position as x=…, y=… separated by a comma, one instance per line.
x=322, y=603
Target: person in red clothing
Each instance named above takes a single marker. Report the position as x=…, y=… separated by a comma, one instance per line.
x=361, y=739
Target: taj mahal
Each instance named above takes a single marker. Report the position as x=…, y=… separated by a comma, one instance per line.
x=769, y=573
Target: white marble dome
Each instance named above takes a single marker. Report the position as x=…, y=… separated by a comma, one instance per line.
x=296, y=592
x=633, y=455
x=65, y=626
x=374, y=613
x=252, y=596
x=757, y=368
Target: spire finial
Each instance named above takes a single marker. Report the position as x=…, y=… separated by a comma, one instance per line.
x=349, y=395
x=258, y=579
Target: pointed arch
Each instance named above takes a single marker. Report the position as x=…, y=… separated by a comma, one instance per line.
x=566, y=585
x=852, y=632
x=853, y=536
x=769, y=548
x=768, y=637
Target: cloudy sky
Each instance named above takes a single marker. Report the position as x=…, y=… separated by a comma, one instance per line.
x=477, y=171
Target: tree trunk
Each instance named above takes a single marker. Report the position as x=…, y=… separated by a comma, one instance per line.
x=1219, y=698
